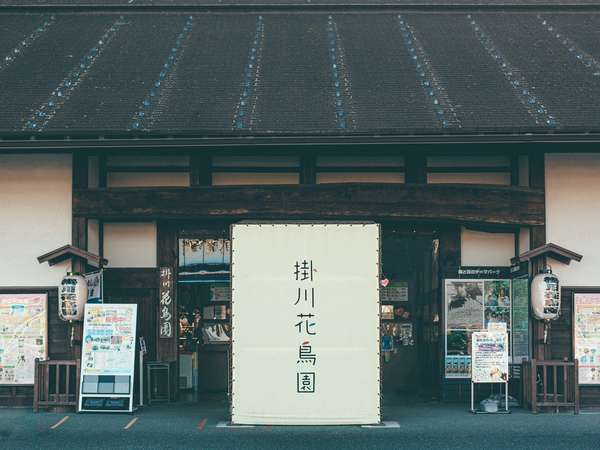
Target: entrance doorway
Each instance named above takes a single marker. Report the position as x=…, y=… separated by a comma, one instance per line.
x=411, y=316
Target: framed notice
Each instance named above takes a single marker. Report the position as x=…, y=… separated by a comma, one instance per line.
x=108, y=358
x=489, y=357
x=316, y=361
x=23, y=336
x=586, y=337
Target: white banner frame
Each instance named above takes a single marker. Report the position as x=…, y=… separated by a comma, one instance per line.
x=130, y=372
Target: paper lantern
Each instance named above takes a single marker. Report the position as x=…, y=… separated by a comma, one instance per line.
x=72, y=296
x=545, y=296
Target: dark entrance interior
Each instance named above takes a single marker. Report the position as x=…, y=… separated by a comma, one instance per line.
x=411, y=317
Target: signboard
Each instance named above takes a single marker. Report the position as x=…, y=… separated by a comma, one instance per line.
x=520, y=319
x=95, y=286
x=23, y=336
x=472, y=305
x=108, y=357
x=586, y=339
x=166, y=314
x=395, y=291
x=305, y=313
x=490, y=357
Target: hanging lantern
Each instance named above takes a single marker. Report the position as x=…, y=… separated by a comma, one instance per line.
x=72, y=296
x=545, y=295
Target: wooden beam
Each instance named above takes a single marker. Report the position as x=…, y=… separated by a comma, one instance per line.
x=416, y=168
x=200, y=170
x=308, y=169
x=485, y=204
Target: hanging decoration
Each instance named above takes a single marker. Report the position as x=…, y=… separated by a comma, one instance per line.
x=72, y=296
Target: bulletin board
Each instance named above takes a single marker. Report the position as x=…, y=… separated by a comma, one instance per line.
x=586, y=337
x=305, y=317
x=23, y=336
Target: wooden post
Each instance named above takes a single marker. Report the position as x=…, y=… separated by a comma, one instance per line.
x=308, y=169
x=36, y=385
x=200, y=170
x=415, y=168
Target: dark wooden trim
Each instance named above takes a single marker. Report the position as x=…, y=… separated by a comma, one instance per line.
x=70, y=252
x=308, y=169
x=415, y=168
x=550, y=250
x=147, y=169
x=360, y=169
x=200, y=170
x=484, y=204
x=255, y=169
x=469, y=169
x=514, y=170
x=102, y=172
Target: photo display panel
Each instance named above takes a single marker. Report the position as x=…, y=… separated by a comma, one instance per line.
x=305, y=303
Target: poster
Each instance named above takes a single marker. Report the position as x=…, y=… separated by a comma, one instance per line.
x=586, y=339
x=395, y=291
x=464, y=300
x=95, y=285
x=520, y=320
x=23, y=336
x=306, y=343
x=489, y=357
x=472, y=305
x=108, y=357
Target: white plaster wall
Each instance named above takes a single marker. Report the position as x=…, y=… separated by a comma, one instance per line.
x=486, y=249
x=130, y=244
x=573, y=214
x=35, y=217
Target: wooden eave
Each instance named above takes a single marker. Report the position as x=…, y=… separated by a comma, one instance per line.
x=69, y=252
x=549, y=250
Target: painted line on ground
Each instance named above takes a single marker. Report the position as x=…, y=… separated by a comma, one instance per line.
x=230, y=425
x=59, y=423
x=131, y=423
x=202, y=424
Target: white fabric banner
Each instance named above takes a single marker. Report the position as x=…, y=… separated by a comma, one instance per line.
x=305, y=307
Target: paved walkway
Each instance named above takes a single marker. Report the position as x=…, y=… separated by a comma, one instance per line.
x=183, y=426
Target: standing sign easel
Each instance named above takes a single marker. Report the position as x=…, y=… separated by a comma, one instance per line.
x=489, y=350
x=108, y=358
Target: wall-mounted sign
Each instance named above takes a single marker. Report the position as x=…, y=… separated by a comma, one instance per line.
x=489, y=357
x=23, y=336
x=586, y=337
x=394, y=291
x=520, y=319
x=305, y=312
x=483, y=272
x=108, y=357
x=204, y=260
x=95, y=281
x=166, y=313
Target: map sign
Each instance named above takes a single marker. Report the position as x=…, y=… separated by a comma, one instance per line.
x=23, y=336
x=587, y=337
x=490, y=357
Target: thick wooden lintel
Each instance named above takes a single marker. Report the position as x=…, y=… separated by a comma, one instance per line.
x=497, y=205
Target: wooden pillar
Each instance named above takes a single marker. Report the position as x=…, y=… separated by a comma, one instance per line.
x=200, y=170
x=308, y=169
x=415, y=168
x=79, y=238
x=540, y=351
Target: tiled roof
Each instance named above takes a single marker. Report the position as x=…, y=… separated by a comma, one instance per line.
x=300, y=72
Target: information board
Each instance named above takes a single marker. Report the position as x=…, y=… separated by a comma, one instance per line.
x=305, y=308
x=108, y=357
x=586, y=340
x=23, y=336
x=490, y=357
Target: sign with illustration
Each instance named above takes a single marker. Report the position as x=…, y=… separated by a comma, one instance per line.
x=472, y=305
x=317, y=360
x=108, y=357
x=23, y=336
x=489, y=357
x=586, y=329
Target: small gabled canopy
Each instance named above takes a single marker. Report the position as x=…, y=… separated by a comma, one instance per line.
x=68, y=252
x=550, y=250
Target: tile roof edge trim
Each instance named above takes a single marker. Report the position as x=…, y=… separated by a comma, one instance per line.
x=538, y=142
x=267, y=8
